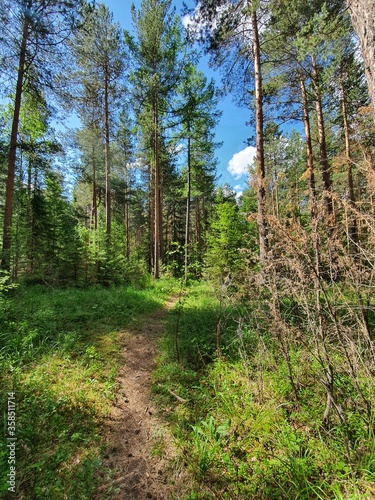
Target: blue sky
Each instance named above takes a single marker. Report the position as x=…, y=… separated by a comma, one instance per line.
x=231, y=130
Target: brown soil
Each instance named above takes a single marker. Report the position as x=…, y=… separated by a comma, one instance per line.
x=139, y=448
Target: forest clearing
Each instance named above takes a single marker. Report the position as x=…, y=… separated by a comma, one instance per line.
x=162, y=333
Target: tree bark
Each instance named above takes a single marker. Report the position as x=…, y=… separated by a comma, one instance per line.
x=312, y=189
x=94, y=195
x=198, y=223
x=260, y=164
x=107, y=161
x=325, y=168
x=352, y=226
x=151, y=216
x=9, y=190
x=187, y=226
x=157, y=217
x=127, y=219
x=309, y=149
x=363, y=18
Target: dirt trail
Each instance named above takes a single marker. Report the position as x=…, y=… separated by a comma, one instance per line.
x=134, y=431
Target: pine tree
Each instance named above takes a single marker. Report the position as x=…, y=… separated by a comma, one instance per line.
x=99, y=53
x=232, y=35
x=38, y=30
x=124, y=142
x=155, y=53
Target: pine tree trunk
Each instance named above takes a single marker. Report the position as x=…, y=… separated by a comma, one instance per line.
x=127, y=224
x=107, y=161
x=312, y=189
x=166, y=236
x=34, y=233
x=161, y=201
x=260, y=165
x=9, y=190
x=198, y=223
x=157, y=193
x=326, y=175
x=204, y=223
x=275, y=191
x=363, y=18
x=151, y=215
x=309, y=149
x=94, y=196
x=16, y=262
x=187, y=225
x=29, y=220
x=352, y=226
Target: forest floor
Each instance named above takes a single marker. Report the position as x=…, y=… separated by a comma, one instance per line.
x=94, y=372
x=139, y=449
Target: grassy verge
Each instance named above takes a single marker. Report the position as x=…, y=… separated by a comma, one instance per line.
x=240, y=430
x=59, y=355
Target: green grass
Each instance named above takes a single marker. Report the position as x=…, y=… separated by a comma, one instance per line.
x=240, y=432
x=59, y=353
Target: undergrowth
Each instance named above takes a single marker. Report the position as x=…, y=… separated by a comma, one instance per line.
x=239, y=429
x=59, y=354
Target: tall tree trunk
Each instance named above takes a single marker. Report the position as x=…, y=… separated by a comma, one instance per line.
x=157, y=218
x=94, y=195
x=197, y=223
x=34, y=232
x=166, y=236
x=161, y=201
x=352, y=227
x=311, y=174
x=29, y=219
x=204, y=223
x=187, y=225
x=107, y=161
x=275, y=190
x=16, y=263
x=127, y=221
x=260, y=164
x=151, y=215
x=363, y=17
x=309, y=149
x=326, y=175
x=9, y=190
x=325, y=169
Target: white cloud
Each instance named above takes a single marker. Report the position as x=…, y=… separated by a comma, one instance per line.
x=240, y=162
x=239, y=191
x=187, y=20
x=195, y=23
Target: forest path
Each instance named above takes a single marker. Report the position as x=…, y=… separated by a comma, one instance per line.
x=139, y=447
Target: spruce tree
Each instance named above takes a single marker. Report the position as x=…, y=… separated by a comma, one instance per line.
x=198, y=115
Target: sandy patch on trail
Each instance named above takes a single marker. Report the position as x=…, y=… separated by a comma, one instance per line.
x=139, y=448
